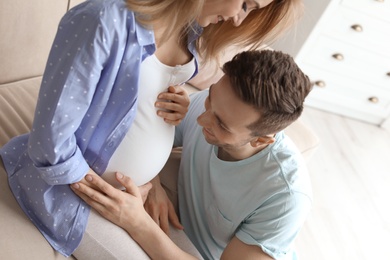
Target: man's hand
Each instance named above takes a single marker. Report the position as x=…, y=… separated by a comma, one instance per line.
x=160, y=208
x=87, y=183
x=175, y=106
x=123, y=208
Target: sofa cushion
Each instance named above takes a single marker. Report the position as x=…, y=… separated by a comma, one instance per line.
x=30, y=27
x=17, y=105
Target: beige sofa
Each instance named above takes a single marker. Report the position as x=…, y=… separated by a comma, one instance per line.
x=27, y=29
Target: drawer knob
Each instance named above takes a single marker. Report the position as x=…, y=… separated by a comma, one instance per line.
x=320, y=83
x=357, y=28
x=338, y=56
x=388, y=73
x=381, y=1
x=373, y=99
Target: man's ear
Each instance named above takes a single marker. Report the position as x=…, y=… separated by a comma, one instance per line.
x=262, y=140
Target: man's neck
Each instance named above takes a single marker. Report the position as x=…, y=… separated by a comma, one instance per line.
x=238, y=154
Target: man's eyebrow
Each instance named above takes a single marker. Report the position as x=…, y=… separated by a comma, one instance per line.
x=216, y=116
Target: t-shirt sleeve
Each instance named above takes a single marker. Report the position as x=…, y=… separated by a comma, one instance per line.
x=275, y=224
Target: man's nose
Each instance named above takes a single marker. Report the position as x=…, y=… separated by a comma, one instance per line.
x=202, y=119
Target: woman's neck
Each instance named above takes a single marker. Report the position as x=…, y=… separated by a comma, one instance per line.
x=170, y=51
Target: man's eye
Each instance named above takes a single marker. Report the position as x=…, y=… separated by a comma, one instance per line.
x=221, y=126
x=244, y=7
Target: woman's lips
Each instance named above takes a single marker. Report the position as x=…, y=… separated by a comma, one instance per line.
x=219, y=19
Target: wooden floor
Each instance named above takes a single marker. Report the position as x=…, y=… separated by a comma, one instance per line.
x=351, y=187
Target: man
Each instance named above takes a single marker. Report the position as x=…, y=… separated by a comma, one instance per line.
x=244, y=191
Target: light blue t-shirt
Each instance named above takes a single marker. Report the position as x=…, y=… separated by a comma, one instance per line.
x=86, y=105
x=262, y=200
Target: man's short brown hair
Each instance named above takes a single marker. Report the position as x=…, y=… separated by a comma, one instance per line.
x=271, y=82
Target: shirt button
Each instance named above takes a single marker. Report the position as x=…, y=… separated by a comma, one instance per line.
x=110, y=144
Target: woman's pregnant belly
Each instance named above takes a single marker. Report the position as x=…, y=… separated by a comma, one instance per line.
x=144, y=150
x=148, y=144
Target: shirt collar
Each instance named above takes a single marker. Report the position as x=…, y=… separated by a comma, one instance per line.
x=145, y=37
x=195, y=32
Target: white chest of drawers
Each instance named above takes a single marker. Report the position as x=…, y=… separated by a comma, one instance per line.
x=344, y=47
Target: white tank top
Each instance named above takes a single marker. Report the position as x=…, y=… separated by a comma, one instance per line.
x=146, y=147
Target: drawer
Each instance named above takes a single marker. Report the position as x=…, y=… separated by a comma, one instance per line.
x=357, y=63
x=375, y=8
x=359, y=29
x=347, y=95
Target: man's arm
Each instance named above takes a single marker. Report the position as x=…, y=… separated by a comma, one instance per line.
x=236, y=249
x=126, y=210
x=160, y=208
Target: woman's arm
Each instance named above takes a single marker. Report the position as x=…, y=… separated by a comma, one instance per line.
x=126, y=210
x=68, y=86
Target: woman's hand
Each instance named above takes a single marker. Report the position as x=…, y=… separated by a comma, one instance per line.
x=160, y=208
x=175, y=106
x=123, y=208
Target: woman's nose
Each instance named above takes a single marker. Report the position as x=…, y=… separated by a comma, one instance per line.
x=239, y=18
x=236, y=20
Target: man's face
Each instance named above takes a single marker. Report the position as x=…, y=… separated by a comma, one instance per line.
x=226, y=117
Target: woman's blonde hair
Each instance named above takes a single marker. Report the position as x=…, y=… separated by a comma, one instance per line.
x=180, y=13
x=259, y=27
